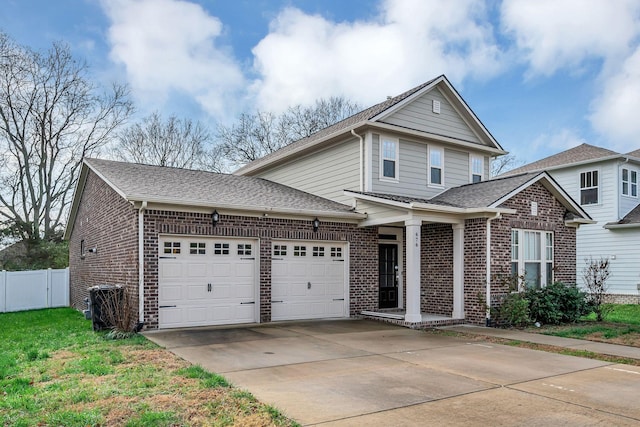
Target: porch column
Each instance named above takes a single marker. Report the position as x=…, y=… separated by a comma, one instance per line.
x=458, y=271
x=413, y=227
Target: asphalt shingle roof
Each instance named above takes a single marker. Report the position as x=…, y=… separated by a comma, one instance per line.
x=347, y=123
x=581, y=153
x=635, y=153
x=632, y=217
x=185, y=187
x=479, y=195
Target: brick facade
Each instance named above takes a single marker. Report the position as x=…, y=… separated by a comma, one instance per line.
x=363, y=252
x=108, y=223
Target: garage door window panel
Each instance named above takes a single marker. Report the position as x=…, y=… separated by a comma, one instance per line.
x=318, y=251
x=221, y=249
x=244, y=249
x=171, y=247
x=197, y=248
x=299, y=251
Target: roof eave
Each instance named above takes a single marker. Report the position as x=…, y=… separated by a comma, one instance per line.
x=246, y=208
x=75, y=204
x=570, y=165
x=617, y=226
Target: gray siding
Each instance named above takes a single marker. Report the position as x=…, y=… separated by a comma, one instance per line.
x=413, y=170
x=419, y=115
x=326, y=173
x=456, y=168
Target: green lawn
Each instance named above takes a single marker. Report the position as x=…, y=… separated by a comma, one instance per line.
x=621, y=313
x=55, y=371
x=622, y=326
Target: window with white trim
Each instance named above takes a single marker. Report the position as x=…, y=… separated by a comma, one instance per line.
x=477, y=168
x=436, y=161
x=629, y=182
x=389, y=153
x=532, y=257
x=589, y=188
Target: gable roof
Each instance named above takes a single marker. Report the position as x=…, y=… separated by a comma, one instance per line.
x=193, y=188
x=371, y=116
x=582, y=154
x=630, y=220
x=485, y=196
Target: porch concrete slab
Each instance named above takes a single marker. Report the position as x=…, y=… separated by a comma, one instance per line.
x=338, y=326
x=497, y=364
x=243, y=355
x=495, y=407
x=392, y=340
x=613, y=388
x=333, y=389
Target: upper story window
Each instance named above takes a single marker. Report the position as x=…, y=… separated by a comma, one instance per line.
x=629, y=182
x=389, y=149
x=436, y=157
x=477, y=169
x=589, y=188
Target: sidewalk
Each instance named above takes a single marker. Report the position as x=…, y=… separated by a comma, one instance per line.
x=572, y=343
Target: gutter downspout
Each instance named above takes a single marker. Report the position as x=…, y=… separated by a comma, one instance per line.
x=488, y=267
x=143, y=207
x=361, y=158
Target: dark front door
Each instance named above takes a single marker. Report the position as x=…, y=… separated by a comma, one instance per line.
x=388, y=270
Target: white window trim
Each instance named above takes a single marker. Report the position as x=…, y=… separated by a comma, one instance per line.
x=441, y=150
x=471, y=158
x=599, y=187
x=629, y=183
x=381, y=176
x=543, y=254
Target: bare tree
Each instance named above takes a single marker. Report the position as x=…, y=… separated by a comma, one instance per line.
x=172, y=142
x=504, y=164
x=51, y=116
x=256, y=135
x=595, y=275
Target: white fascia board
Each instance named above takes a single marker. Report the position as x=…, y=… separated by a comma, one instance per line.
x=199, y=206
x=576, y=164
x=615, y=226
x=109, y=183
x=437, y=137
x=75, y=204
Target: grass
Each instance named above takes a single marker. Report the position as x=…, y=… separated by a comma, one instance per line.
x=54, y=370
x=622, y=326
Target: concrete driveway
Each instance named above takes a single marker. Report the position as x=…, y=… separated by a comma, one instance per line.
x=357, y=372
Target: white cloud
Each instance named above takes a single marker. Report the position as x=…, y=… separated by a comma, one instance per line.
x=553, y=34
x=305, y=57
x=168, y=47
x=546, y=144
x=615, y=110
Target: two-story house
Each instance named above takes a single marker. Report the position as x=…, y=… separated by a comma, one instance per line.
x=386, y=214
x=605, y=184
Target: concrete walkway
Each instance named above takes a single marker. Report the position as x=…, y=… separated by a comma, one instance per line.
x=572, y=343
x=358, y=372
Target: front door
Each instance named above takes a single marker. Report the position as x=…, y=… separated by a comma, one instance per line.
x=388, y=271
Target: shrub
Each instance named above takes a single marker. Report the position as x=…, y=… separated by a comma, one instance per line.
x=557, y=303
x=513, y=311
x=595, y=276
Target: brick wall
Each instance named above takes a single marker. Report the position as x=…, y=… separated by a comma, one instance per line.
x=363, y=252
x=436, y=269
x=475, y=268
x=107, y=222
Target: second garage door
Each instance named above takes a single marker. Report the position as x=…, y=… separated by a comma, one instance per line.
x=309, y=280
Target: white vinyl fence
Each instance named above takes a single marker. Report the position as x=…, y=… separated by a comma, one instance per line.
x=28, y=290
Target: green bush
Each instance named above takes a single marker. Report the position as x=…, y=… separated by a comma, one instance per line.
x=513, y=311
x=557, y=303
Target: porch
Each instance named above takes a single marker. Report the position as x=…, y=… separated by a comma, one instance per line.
x=397, y=317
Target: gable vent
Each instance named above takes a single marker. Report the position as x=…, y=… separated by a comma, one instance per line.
x=436, y=106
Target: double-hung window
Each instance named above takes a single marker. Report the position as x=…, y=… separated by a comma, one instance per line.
x=532, y=257
x=389, y=148
x=435, y=166
x=589, y=188
x=629, y=182
x=477, y=169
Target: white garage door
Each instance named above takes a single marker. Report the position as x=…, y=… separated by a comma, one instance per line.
x=308, y=280
x=207, y=281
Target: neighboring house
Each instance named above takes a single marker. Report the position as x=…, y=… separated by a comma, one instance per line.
x=12, y=253
x=605, y=183
x=387, y=214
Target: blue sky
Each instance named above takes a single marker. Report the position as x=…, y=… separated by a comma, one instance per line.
x=543, y=75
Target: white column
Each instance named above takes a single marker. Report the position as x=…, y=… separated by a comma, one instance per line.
x=458, y=271
x=413, y=271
